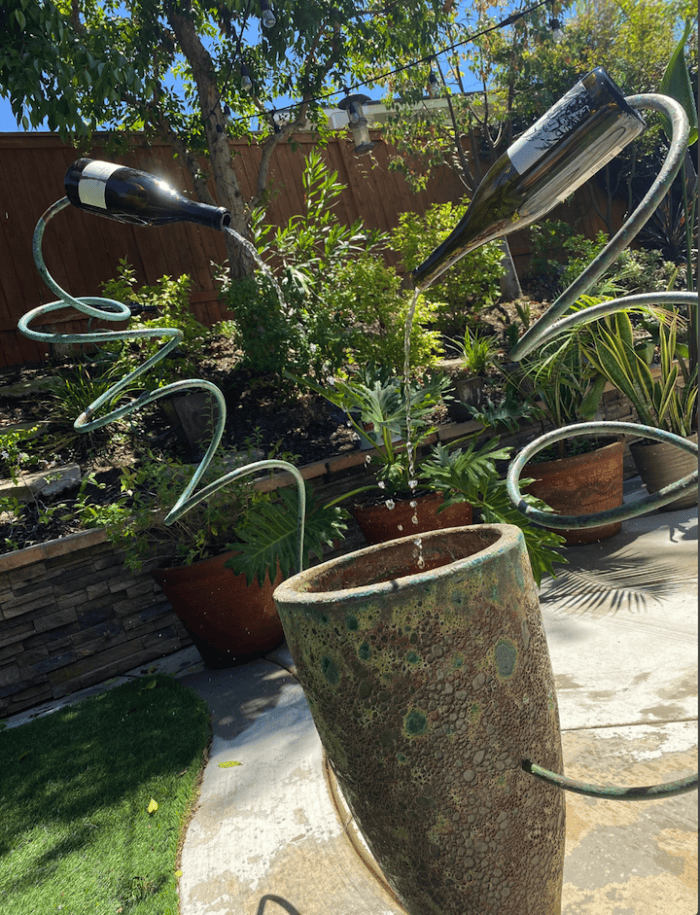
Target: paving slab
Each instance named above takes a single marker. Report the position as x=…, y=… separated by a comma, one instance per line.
x=272, y=836
x=267, y=836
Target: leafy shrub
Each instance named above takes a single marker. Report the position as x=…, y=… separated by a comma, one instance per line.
x=165, y=304
x=466, y=288
x=14, y=458
x=372, y=304
x=304, y=331
x=561, y=255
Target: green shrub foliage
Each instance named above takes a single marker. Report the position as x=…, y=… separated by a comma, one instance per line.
x=466, y=288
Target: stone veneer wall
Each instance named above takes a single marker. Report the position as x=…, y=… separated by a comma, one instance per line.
x=71, y=615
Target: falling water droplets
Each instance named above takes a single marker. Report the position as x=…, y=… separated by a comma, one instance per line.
x=250, y=248
x=410, y=451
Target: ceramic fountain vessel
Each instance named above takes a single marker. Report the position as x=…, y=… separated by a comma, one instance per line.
x=429, y=687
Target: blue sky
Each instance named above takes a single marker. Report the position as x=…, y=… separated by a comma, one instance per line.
x=9, y=124
x=7, y=119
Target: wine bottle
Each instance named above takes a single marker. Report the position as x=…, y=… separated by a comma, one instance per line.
x=129, y=195
x=577, y=136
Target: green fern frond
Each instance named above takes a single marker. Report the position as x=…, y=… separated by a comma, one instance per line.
x=269, y=536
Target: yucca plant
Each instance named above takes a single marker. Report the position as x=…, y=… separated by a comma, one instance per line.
x=666, y=401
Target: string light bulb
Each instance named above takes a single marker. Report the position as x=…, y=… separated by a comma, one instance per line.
x=555, y=26
x=358, y=123
x=433, y=84
x=246, y=81
x=268, y=17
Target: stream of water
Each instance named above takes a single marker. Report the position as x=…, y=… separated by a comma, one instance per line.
x=251, y=249
x=410, y=446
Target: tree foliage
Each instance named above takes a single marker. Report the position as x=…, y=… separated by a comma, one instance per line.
x=520, y=70
x=174, y=70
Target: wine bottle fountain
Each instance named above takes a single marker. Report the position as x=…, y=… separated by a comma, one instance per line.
x=432, y=689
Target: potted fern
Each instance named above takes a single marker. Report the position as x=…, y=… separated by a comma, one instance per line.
x=394, y=429
x=470, y=475
x=218, y=564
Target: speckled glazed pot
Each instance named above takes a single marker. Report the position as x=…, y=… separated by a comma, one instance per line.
x=429, y=687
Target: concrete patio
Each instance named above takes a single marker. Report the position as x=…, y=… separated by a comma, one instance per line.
x=271, y=836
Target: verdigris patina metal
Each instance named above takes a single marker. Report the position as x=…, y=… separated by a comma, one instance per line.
x=428, y=688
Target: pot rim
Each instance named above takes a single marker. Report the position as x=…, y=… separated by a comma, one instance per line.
x=650, y=442
x=618, y=445
x=295, y=590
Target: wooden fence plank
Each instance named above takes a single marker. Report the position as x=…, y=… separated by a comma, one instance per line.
x=83, y=251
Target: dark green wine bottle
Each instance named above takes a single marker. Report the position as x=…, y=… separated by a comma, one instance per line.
x=129, y=195
x=577, y=136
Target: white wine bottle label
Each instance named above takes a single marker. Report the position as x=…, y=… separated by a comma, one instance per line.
x=93, y=182
x=560, y=120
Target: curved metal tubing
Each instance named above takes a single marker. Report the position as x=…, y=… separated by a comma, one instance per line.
x=546, y=329
x=612, y=792
x=111, y=310
x=623, y=512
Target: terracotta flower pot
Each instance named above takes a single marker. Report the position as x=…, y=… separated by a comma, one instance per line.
x=660, y=464
x=228, y=621
x=429, y=689
x=380, y=524
x=581, y=485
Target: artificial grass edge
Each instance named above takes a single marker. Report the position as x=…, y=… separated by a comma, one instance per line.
x=76, y=788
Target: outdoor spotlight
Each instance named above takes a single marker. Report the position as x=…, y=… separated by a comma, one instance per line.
x=246, y=81
x=358, y=123
x=268, y=17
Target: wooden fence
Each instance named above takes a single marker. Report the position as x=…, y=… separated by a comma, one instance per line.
x=82, y=251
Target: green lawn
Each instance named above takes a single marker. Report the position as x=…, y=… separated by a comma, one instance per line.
x=76, y=834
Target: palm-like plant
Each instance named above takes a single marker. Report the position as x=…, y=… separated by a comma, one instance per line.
x=665, y=400
x=470, y=475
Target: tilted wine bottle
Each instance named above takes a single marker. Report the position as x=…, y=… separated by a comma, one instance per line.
x=583, y=131
x=136, y=197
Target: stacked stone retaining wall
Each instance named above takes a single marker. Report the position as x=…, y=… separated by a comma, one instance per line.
x=71, y=615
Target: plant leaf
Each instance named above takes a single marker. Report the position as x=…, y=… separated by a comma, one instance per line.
x=676, y=84
x=269, y=536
